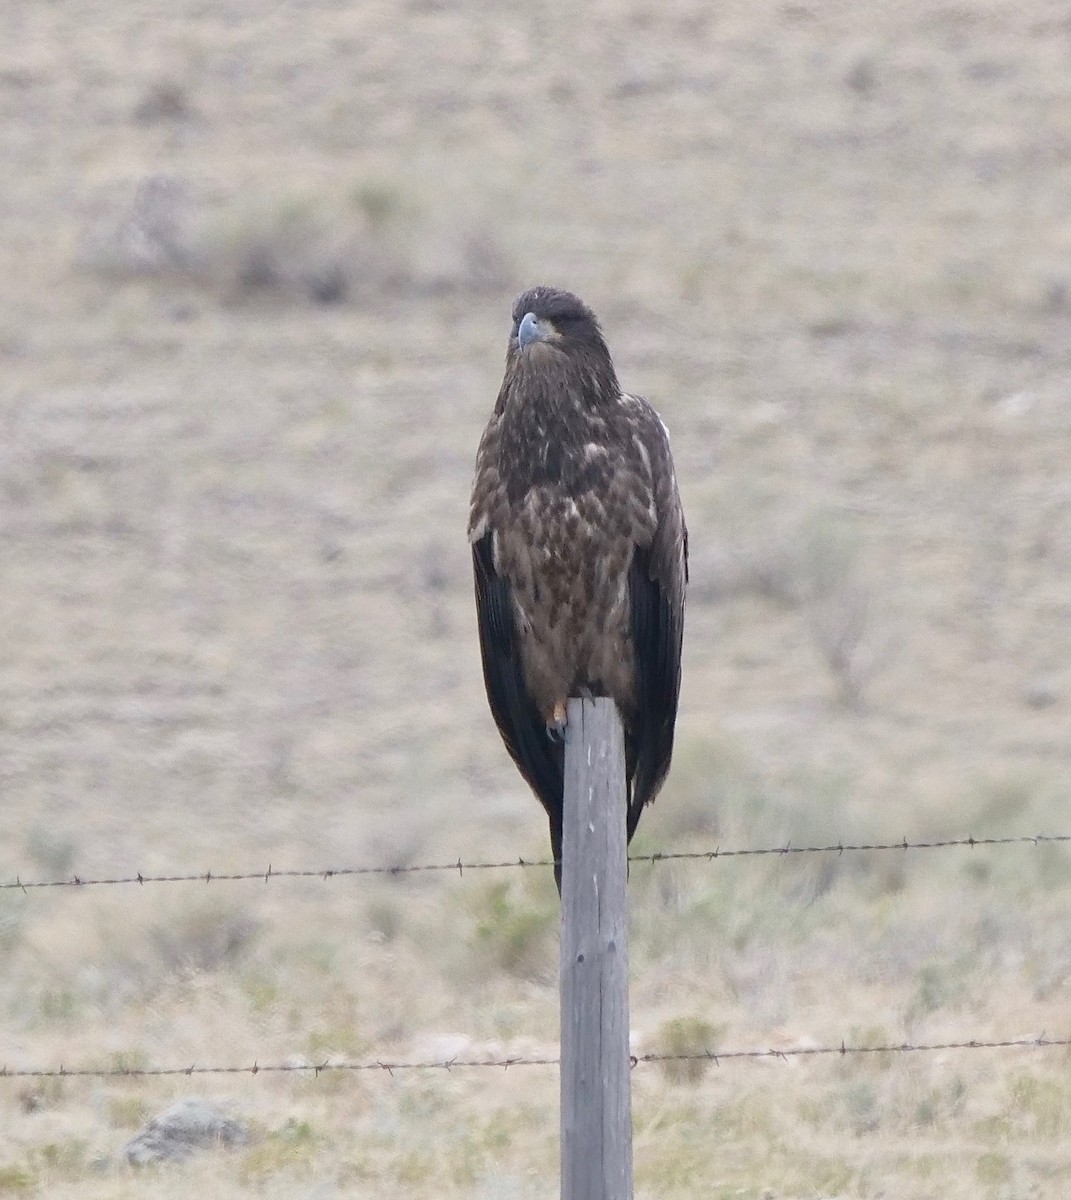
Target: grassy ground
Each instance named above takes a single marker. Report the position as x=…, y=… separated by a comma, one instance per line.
x=256, y=275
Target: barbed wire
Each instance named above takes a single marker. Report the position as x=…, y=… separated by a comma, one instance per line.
x=843, y=1050
x=265, y=875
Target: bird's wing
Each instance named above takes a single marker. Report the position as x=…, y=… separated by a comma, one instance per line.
x=657, y=579
x=523, y=729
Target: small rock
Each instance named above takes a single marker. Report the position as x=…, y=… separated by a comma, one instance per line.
x=178, y=1131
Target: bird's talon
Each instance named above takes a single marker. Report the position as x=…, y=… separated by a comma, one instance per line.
x=558, y=723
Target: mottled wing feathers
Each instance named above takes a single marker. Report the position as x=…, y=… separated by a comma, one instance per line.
x=657, y=579
x=523, y=730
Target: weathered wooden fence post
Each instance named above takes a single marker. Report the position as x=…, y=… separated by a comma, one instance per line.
x=596, y=1104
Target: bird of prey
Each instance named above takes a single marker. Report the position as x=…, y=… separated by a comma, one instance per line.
x=580, y=554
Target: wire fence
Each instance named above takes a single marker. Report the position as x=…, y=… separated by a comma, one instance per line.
x=267, y=874
x=460, y=867
x=715, y=1056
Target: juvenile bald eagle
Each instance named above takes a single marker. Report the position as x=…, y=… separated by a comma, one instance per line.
x=580, y=554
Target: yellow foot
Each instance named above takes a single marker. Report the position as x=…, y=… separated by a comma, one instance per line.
x=559, y=720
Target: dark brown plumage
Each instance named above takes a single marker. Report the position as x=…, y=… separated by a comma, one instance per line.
x=580, y=553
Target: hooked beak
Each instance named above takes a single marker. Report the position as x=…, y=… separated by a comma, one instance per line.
x=530, y=330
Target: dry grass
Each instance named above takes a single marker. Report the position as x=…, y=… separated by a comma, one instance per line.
x=256, y=270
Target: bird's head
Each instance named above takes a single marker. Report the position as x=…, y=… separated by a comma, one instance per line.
x=554, y=326
x=549, y=316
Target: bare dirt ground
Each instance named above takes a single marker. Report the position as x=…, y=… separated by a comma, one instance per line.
x=256, y=267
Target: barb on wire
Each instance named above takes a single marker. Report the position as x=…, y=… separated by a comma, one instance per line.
x=715, y=1056
x=264, y=875
x=843, y=1050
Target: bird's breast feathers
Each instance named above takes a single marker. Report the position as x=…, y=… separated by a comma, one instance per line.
x=566, y=558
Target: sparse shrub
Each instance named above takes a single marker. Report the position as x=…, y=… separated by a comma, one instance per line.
x=837, y=602
x=379, y=202
x=127, y=1112
x=1041, y=1104
x=514, y=932
x=286, y=248
x=766, y=567
x=41, y=1094
x=165, y=100
x=12, y=915
x=486, y=269
x=687, y=1035
x=993, y=1168
x=819, y=568
x=861, y=1106
x=936, y=986
x=53, y=851
x=261, y=990
x=385, y=920
x=940, y=1103
x=1002, y=802
x=338, y=1041
x=16, y=1181
x=147, y=234
x=128, y=1060
x=64, y=1158
x=709, y=779
x=204, y=937
x=297, y=247
x=58, y=1005
x=868, y=1037
x=294, y=1145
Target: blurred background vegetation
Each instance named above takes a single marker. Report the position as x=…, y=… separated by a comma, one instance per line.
x=257, y=268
